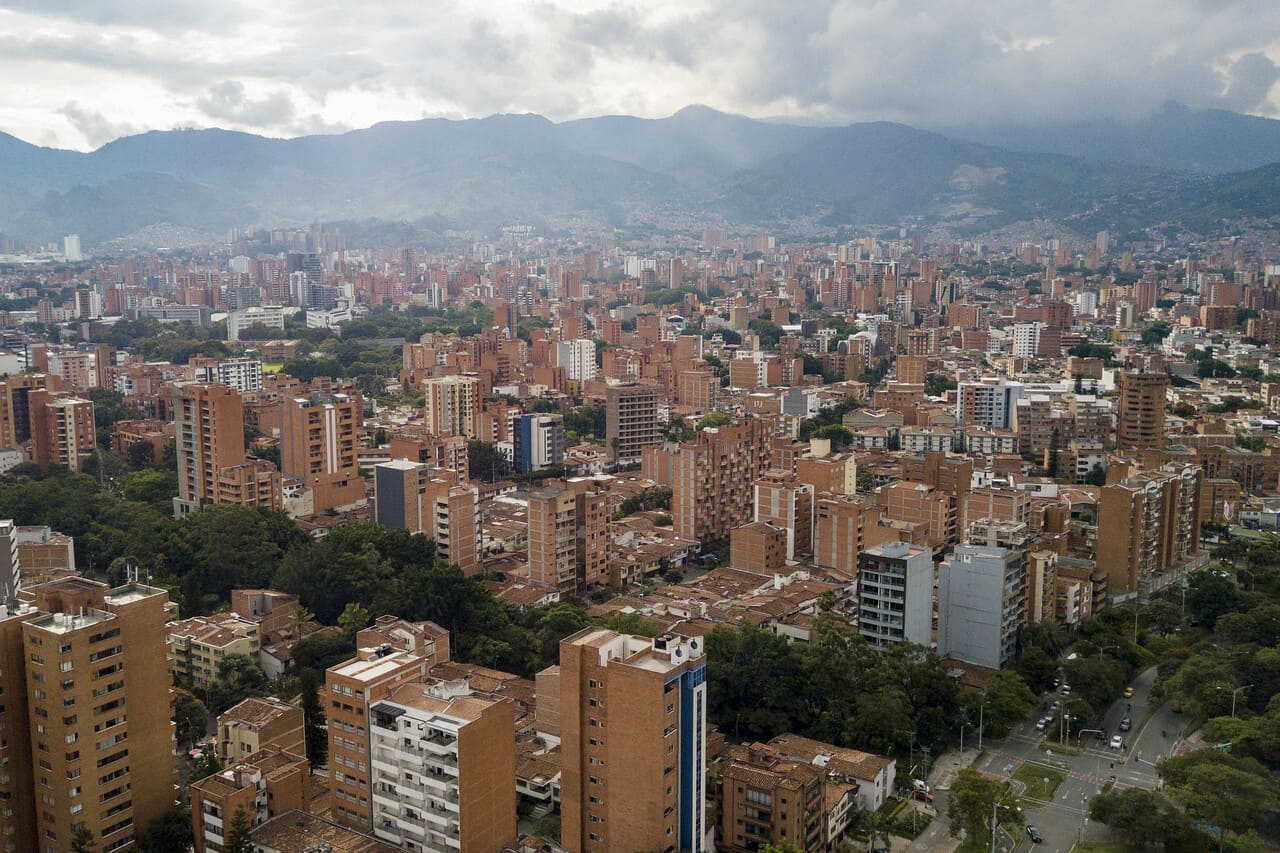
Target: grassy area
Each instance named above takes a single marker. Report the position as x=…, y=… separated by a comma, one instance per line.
x=1053, y=746
x=1034, y=776
x=911, y=824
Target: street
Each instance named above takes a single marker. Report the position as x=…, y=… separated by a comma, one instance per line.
x=1063, y=820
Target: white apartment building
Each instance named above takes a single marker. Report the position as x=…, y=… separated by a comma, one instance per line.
x=578, y=358
x=242, y=374
x=443, y=768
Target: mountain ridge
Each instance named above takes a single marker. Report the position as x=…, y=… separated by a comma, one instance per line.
x=610, y=169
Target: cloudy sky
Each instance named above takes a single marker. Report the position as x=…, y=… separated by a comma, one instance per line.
x=82, y=72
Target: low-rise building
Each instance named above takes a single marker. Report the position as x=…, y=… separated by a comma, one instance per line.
x=260, y=723
x=197, y=645
x=263, y=785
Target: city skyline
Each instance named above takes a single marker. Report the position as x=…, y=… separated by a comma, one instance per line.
x=293, y=70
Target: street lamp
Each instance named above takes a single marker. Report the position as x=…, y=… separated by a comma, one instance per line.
x=1113, y=646
x=1063, y=720
x=982, y=709
x=995, y=818
x=1233, y=697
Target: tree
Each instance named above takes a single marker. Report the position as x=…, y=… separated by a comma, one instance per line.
x=354, y=617
x=1037, y=669
x=486, y=463
x=1143, y=817
x=557, y=622
x=1097, y=476
x=839, y=436
x=973, y=798
x=237, y=839
x=82, y=840
x=1008, y=701
x=317, y=743
x=167, y=833
x=150, y=486
x=206, y=765
x=298, y=617
x=1047, y=635
x=190, y=716
x=1210, y=595
x=938, y=384
x=239, y=677
x=714, y=419
x=1227, y=797
x=140, y=455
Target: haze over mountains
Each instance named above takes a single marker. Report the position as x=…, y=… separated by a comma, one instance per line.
x=1180, y=166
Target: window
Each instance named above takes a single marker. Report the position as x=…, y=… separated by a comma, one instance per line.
x=64, y=666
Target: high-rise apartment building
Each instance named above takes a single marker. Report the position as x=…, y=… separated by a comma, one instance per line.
x=242, y=374
x=432, y=501
x=838, y=532
x=782, y=500
x=445, y=451
x=15, y=405
x=759, y=547
x=895, y=594
x=1148, y=523
x=63, y=431
x=1140, y=414
x=318, y=447
x=452, y=405
x=633, y=743
x=982, y=604
x=212, y=467
x=988, y=402
x=578, y=358
x=17, y=781
x=568, y=534
x=711, y=492
x=390, y=653
x=631, y=419
x=97, y=706
x=10, y=560
x=538, y=442
x=444, y=768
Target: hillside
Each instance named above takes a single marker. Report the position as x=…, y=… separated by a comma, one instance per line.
x=613, y=170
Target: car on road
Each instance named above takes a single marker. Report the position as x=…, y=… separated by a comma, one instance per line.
x=1117, y=742
x=922, y=795
x=1128, y=693
x=1066, y=690
x=1126, y=724
x=1042, y=724
x=1034, y=834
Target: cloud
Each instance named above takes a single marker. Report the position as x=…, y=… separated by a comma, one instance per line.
x=227, y=101
x=96, y=128
x=297, y=67
x=164, y=15
x=1252, y=77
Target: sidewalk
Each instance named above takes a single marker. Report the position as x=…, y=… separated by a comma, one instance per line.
x=949, y=765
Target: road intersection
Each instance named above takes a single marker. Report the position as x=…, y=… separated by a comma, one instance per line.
x=1088, y=764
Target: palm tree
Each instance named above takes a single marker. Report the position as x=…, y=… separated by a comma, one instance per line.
x=298, y=617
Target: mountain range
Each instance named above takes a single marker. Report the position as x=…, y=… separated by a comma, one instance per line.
x=1192, y=169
